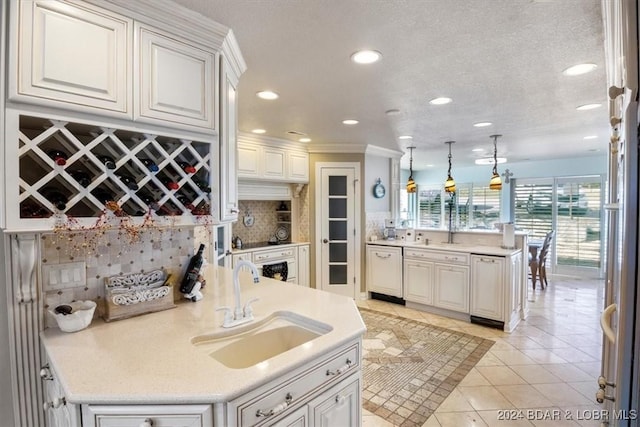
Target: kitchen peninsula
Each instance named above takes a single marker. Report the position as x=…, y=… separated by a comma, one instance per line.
x=145, y=368
x=475, y=282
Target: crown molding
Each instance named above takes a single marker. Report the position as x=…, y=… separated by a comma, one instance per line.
x=232, y=52
x=355, y=149
x=182, y=21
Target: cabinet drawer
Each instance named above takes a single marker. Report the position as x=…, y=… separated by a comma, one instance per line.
x=257, y=410
x=261, y=257
x=155, y=415
x=441, y=256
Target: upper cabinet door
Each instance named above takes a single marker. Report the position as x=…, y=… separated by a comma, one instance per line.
x=78, y=55
x=298, y=166
x=177, y=80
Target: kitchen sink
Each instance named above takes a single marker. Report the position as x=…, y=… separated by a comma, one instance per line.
x=258, y=342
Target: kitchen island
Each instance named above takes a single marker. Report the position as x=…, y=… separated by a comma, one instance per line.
x=147, y=367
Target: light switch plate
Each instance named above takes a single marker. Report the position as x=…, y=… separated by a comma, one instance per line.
x=64, y=276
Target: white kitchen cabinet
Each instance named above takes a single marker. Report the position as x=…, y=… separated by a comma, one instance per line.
x=177, y=79
x=73, y=55
x=418, y=278
x=451, y=284
x=58, y=412
x=269, y=159
x=303, y=265
x=488, y=287
x=147, y=416
x=298, y=166
x=338, y=406
x=384, y=270
x=228, y=176
x=327, y=389
x=273, y=163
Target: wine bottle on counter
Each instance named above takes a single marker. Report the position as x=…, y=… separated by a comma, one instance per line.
x=187, y=167
x=56, y=198
x=82, y=177
x=129, y=181
x=193, y=270
x=107, y=161
x=150, y=164
x=58, y=156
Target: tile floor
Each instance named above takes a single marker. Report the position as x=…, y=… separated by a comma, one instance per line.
x=542, y=374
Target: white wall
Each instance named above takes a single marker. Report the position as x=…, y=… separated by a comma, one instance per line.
x=376, y=167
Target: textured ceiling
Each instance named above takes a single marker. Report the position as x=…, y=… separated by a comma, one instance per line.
x=499, y=60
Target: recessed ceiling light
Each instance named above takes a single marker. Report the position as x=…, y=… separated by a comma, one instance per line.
x=350, y=122
x=588, y=107
x=590, y=137
x=576, y=70
x=489, y=160
x=405, y=137
x=259, y=131
x=478, y=149
x=440, y=101
x=267, y=94
x=366, y=56
x=482, y=124
x=305, y=140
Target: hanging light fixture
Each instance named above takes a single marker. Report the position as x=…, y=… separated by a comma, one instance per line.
x=450, y=184
x=411, y=184
x=496, y=181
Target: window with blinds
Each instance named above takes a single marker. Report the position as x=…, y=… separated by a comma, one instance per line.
x=475, y=206
x=571, y=207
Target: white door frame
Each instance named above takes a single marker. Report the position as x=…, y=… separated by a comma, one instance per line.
x=357, y=222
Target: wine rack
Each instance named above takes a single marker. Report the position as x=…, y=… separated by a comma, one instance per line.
x=105, y=164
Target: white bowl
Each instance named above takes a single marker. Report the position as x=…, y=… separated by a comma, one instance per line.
x=80, y=317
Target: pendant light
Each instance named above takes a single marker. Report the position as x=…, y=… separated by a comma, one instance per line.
x=450, y=184
x=496, y=181
x=411, y=184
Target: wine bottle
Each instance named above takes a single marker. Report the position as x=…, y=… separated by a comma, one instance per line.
x=82, y=177
x=103, y=196
x=193, y=270
x=129, y=181
x=202, y=185
x=170, y=184
x=54, y=195
x=149, y=200
x=108, y=161
x=187, y=167
x=150, y=164
x=60, y=157
x=186, y=202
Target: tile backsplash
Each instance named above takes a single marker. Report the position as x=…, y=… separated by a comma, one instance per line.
x=169, y=249
x=265, y=220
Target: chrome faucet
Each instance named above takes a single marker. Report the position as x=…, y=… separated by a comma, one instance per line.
x=240, y=315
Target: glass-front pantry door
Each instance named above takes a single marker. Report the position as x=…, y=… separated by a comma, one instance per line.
x=337, y=228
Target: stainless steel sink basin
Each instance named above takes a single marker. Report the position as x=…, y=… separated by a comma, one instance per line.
x=260, y=341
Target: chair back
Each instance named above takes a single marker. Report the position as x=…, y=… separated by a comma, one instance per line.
x=545, y=246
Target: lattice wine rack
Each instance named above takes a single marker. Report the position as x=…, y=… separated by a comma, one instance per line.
x=76, y=169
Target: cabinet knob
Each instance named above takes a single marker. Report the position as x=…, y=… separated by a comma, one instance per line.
x=45, y=373
x=234, y=211
x=601, y=397
x=148, y=422
x=325, y=240
x=340, y=399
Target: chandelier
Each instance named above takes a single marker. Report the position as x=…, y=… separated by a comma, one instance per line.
x=496, y=181
x=411, y=184
x=450, y=184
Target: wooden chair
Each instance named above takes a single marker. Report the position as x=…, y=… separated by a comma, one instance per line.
x=542, y=260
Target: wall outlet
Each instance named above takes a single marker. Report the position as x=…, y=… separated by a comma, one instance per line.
x=64, y=276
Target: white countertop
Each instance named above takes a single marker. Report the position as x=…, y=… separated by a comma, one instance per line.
x=150, y=358
x=266, y=246
x=454, y=247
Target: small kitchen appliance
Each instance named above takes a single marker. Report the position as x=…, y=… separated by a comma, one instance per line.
x=389, y=229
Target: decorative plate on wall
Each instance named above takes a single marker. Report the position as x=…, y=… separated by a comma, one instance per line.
x=282, y=233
